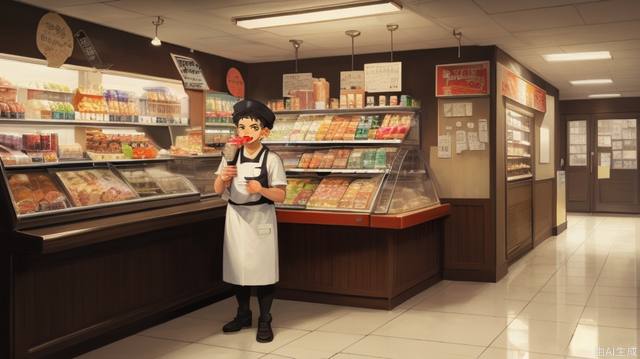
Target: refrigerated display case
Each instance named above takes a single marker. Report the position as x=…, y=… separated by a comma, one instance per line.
x=353, y=161
x=218, y=121
x=519, y=139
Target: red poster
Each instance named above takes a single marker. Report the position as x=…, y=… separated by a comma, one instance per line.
x=466, y=79
x=523, y=92
x=235, y=82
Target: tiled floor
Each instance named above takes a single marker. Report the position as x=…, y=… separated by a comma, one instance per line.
x=574, y=296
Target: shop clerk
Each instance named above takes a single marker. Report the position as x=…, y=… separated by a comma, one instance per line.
x=252, y=182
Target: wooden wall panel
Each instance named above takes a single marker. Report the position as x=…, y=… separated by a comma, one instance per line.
x=543, y=205
x=519, y=218
x=417, y=255
x=469, y=247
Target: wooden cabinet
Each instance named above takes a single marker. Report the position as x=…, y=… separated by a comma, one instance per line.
x=519, y=218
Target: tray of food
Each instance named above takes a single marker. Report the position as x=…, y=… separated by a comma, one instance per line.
x=95, y=186
x=329, y=192
x=141, y=181
x=171, y=183
x=299, y=190
x=35, y=192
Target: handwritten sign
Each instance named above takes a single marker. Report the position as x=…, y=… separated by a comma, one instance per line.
x=383, y=77
x=295, y=82
x=89, y=50
x=351, y=80
x=191, y=72
x=523, y=91
x=465, y=79
x=54, y=39
x=235, y=82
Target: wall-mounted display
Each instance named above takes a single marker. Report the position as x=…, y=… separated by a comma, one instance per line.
x=519, y=139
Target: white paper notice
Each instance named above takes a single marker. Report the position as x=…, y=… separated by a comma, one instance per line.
x=483, y=130
x=474, y=143
x=605, y=159
x=544, y=145
x=383, y=77
x=616, y=145
x=604, y=141
x=350, y=80
x=471, y=124
x=294, y=82
x=448, y=110
x=461, y=141
x=628, y=155
x=444, y=146
x=190, y=72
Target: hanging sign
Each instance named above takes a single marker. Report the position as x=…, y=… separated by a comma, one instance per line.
x=89, y=50
x=466, y=79
x=523, y=91
x=191, y=73
x=235, y=82
x=383, y=77
x=296, y=82
x=54, y=39
x=351, y=80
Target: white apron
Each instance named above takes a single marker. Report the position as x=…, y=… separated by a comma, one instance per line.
x=250, y=252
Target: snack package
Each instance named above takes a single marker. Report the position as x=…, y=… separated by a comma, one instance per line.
x=341, y=129
x=336, y=122
x=355, y=159
x=342, y=158
x=316, y=160
x=323, y=129
x=316, y=122
x=305, y=160
x=350, y=194
x=307, y=191
x=369, y=158
x=294, y=186
x=381, y=158
x=362, y=131
x=351, y=128
x=328, y=158
x=376, y=121
x=329, y=192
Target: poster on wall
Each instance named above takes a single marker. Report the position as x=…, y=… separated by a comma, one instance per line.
x=292, y=83
x=54, y=39
x=235, y=82
x=351, y=80
x=383, y=77
x=522, y=91
x=466, y=79
x=190, y=72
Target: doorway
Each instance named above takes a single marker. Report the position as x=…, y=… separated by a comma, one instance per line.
x=602, y=164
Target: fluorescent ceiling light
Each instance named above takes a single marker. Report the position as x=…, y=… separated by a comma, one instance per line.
x=578, y=56
x=305, y=16
x=591, y=82
x=605, y=95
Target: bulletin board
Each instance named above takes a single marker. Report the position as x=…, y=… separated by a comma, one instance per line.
x=461, y=160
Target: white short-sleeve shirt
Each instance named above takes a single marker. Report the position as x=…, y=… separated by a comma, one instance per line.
x=275, y=168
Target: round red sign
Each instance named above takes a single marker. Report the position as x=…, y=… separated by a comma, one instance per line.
x=235, y=82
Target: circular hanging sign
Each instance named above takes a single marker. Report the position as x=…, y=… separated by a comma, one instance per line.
x=54, y=39
x=235, y=82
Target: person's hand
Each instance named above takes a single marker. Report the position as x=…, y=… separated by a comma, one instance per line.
x=228, y=173
x=254, y=186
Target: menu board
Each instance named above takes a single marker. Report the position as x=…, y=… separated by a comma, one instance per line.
x=618, y=137
x=296, y=82
x=95, y=186
x=383, y=77
x=191, y=72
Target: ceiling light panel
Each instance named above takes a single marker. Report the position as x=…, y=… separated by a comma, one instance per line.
x=605, y=95
x=591, y=82
x=318, y=15
x=578, y=56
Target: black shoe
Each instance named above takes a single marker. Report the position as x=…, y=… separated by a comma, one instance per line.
x=242, y=320
x=265, y=333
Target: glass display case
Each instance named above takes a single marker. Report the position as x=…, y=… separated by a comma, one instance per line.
x=218, y=121
x=353, y=161
x=519, y=139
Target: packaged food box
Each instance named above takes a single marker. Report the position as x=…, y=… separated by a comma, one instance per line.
x=341, y=129
x=351, y=128
x=355, y=159
x=365, y=193
x=316, y=122
x=381, y=158
x=294, y=186
x=342, y=158
x=305, y=160
x=317, y=159
x=300, y=129
x=336, y=123
x=376, y=121
x=290, y=159
x=328, y=158
x=35, y=192
x=307, y=191
x=362, y=131
x=324, y=128
x=329, y=192
x=350, y=194
x=369, y=158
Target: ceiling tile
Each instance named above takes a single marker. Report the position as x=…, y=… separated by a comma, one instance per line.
x=499, y=6
x=449, y=8
x=610, y=11
x=539, y=19
x=585, y=34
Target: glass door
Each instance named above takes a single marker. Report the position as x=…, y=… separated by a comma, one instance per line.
x=615, y=172
x=578, y=169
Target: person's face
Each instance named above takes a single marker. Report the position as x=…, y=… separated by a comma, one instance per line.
x=252, y=128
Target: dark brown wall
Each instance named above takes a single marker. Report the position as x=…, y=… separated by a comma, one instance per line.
x=127, y=52
x=418, y=76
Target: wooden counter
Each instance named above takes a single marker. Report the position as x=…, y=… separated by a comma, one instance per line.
x=376, y=261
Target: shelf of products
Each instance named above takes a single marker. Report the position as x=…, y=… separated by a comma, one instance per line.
x=519, y=139
x=367, y=176
x=219, y=108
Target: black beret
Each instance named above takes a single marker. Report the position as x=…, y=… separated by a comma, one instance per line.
x=253, y=108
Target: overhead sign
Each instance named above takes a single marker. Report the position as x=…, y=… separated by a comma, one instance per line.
x=54, y=39
x=191, y=72
x=296, y=82
x=383, y=77
x=235, y=82
x=465, y=79
x=89, y=50
x=351, y=80
x=523, y=91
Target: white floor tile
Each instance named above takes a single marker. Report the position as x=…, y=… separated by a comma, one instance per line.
x=199, y=351
x=135, y=347
x=535, y=336
x=246, y=339
x=498, y=353
x=361, y=321
x=184, y=329
x=400, y=348
x=596, y=342
x=552, y=312
x=611, y=317
x=318, y=345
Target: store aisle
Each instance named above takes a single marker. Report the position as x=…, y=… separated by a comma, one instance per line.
x=574, y=296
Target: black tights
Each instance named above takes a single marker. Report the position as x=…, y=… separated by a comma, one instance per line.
x=265, y=298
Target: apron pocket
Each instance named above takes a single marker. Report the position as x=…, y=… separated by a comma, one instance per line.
x=265, y=231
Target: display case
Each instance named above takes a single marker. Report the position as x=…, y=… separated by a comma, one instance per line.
x=218, y=120
x=360, y=161
x=519, y=140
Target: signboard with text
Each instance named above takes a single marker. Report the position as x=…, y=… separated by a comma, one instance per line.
x=54, y=39
x=383, y=77
x=522, y=91
x=190, y=72
x=465, y=79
